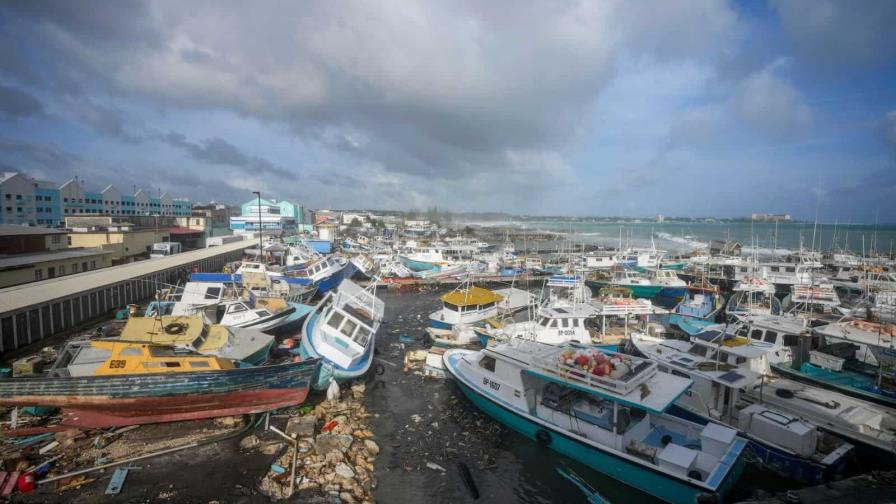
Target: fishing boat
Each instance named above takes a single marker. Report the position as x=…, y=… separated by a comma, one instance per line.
x=106, y=383
x=605, y=410
x=326, y=273
x=816, y=299
x=341, y=331
x=753, y=296
x=364, y=266
x=600, y=259
x=551, y=325
x=193, y=334
x=460, y=335
x=870, y=427
x=228, y=305
x=697, y=310
x=852, y=356
x=465, y=305
x=674, y=288
x=639, y=285
x=780, y=441
x=642, y=258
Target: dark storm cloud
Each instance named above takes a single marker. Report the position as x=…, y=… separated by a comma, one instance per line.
x=840, y=33
x=45, y=156
x=16, y=104
x=218, y=151
x=104, y=119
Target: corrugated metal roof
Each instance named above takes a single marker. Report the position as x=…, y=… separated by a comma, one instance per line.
x=10, y=261
x=23, y=296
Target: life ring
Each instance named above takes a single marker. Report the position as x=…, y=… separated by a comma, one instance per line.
x=175, y=328
x=543, y=436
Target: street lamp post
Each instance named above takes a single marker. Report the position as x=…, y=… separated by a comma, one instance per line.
x=260, y=246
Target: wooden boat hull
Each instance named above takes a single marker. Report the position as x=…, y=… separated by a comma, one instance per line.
x=105, y=401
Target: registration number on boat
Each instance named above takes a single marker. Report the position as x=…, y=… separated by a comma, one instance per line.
x=567, y=332
x=491, y=384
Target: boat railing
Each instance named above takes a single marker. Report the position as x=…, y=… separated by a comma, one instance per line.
x=638, y=372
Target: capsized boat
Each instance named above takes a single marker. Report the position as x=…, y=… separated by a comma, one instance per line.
x=341, y=331
x=193, y=334
x=605, y=410
x=325, y=273
x=105, y=383
x=780, y=440
x=228, y=305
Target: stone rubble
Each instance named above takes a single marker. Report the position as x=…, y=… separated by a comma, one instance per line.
x=334, y=466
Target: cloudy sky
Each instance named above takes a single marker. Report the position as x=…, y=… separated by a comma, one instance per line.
x=686, y=107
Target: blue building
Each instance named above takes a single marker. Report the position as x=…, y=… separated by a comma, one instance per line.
x=24, y=200
x=276, y=217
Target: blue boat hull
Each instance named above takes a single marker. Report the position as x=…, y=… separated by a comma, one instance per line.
x=438, y=324
x=637, y=476
x=418, y=265
x=328, y=369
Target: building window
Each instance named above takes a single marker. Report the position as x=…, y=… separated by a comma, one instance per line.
x=74, y=267
x=55, y=239
x=84, y=266
x=18, y=196
x=92, y=264
x=38, y=274
x=61, y=270
x=51, y=272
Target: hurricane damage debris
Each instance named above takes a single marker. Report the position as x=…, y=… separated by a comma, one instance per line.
x=323, y=454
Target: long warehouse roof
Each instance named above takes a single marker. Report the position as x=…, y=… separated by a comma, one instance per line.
x=25, y=295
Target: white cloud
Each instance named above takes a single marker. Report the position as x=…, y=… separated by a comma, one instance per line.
x=773, y=106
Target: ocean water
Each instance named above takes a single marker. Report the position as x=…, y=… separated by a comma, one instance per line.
x=765, y=236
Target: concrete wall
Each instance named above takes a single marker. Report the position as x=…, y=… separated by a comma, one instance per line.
x=124, y=245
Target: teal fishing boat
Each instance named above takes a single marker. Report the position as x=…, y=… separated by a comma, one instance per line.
x=639, y=285
x=605, y=410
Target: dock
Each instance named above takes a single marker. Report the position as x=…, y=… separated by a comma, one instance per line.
x=34, y=311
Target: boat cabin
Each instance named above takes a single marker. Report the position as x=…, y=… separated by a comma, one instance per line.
x=349, y=322
x=111, y=357
x=468, y=305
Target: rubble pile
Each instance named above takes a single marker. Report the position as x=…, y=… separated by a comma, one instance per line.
x=331, y=457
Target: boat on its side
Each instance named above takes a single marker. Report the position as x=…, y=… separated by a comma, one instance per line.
x=605, y=410
x=341, y=331
x=193, y=334
x=106, y=383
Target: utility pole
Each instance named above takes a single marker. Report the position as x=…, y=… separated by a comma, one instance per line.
x=260, y=246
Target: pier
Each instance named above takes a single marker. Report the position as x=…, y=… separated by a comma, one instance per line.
x=34, y=311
